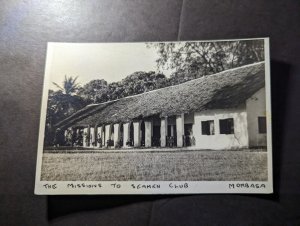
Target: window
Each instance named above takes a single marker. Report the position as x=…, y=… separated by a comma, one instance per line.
x=208, y=127
x=226, y=126
x=262, y=125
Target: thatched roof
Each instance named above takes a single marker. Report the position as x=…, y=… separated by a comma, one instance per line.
x=227, y=89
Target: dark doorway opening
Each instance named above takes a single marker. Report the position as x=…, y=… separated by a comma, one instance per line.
x=121, y=135
x=188, y=135
x=156, y=136
x=143, y=134
x=172, y=136
x=130, y=142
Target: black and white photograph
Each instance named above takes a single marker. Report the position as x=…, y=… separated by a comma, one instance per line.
x=149, y=113
x=156, y=118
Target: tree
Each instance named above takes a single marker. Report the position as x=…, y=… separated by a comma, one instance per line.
x=61, y=104
x=140, y=81
x=69, y=85
x=203, y=58
x=94, y=91
x=65, y=101
x=98, y=91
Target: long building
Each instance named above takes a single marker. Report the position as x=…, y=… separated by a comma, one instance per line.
x=226, y=110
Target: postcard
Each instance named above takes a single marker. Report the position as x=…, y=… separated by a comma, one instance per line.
x=175, y=117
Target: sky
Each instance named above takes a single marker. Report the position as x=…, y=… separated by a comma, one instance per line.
x=109, y=61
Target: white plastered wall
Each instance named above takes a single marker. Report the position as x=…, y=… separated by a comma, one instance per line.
x=256, y=107
x=222, y=141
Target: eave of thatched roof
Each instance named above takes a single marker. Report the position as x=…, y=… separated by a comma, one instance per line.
x=227, y=89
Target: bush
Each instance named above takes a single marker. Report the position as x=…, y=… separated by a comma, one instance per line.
x=110, y=143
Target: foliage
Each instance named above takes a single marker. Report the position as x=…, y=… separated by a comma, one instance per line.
x=98, y=91
x=192, y=60
x=94, y=90
x=110, y=143
x=140, y=82
x=129, y=142
x=69, y=85
x=61, y=104
x=119, y=144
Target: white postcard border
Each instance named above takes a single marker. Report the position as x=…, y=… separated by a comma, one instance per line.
x=152, y=187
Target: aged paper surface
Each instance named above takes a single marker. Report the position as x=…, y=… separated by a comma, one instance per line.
x=156, y=118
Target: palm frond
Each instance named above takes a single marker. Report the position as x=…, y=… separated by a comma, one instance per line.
x=58, y=86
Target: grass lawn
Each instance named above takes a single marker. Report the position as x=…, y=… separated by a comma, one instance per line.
x=155, y=166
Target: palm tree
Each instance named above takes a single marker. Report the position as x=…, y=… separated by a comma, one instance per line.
x=69, y=85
